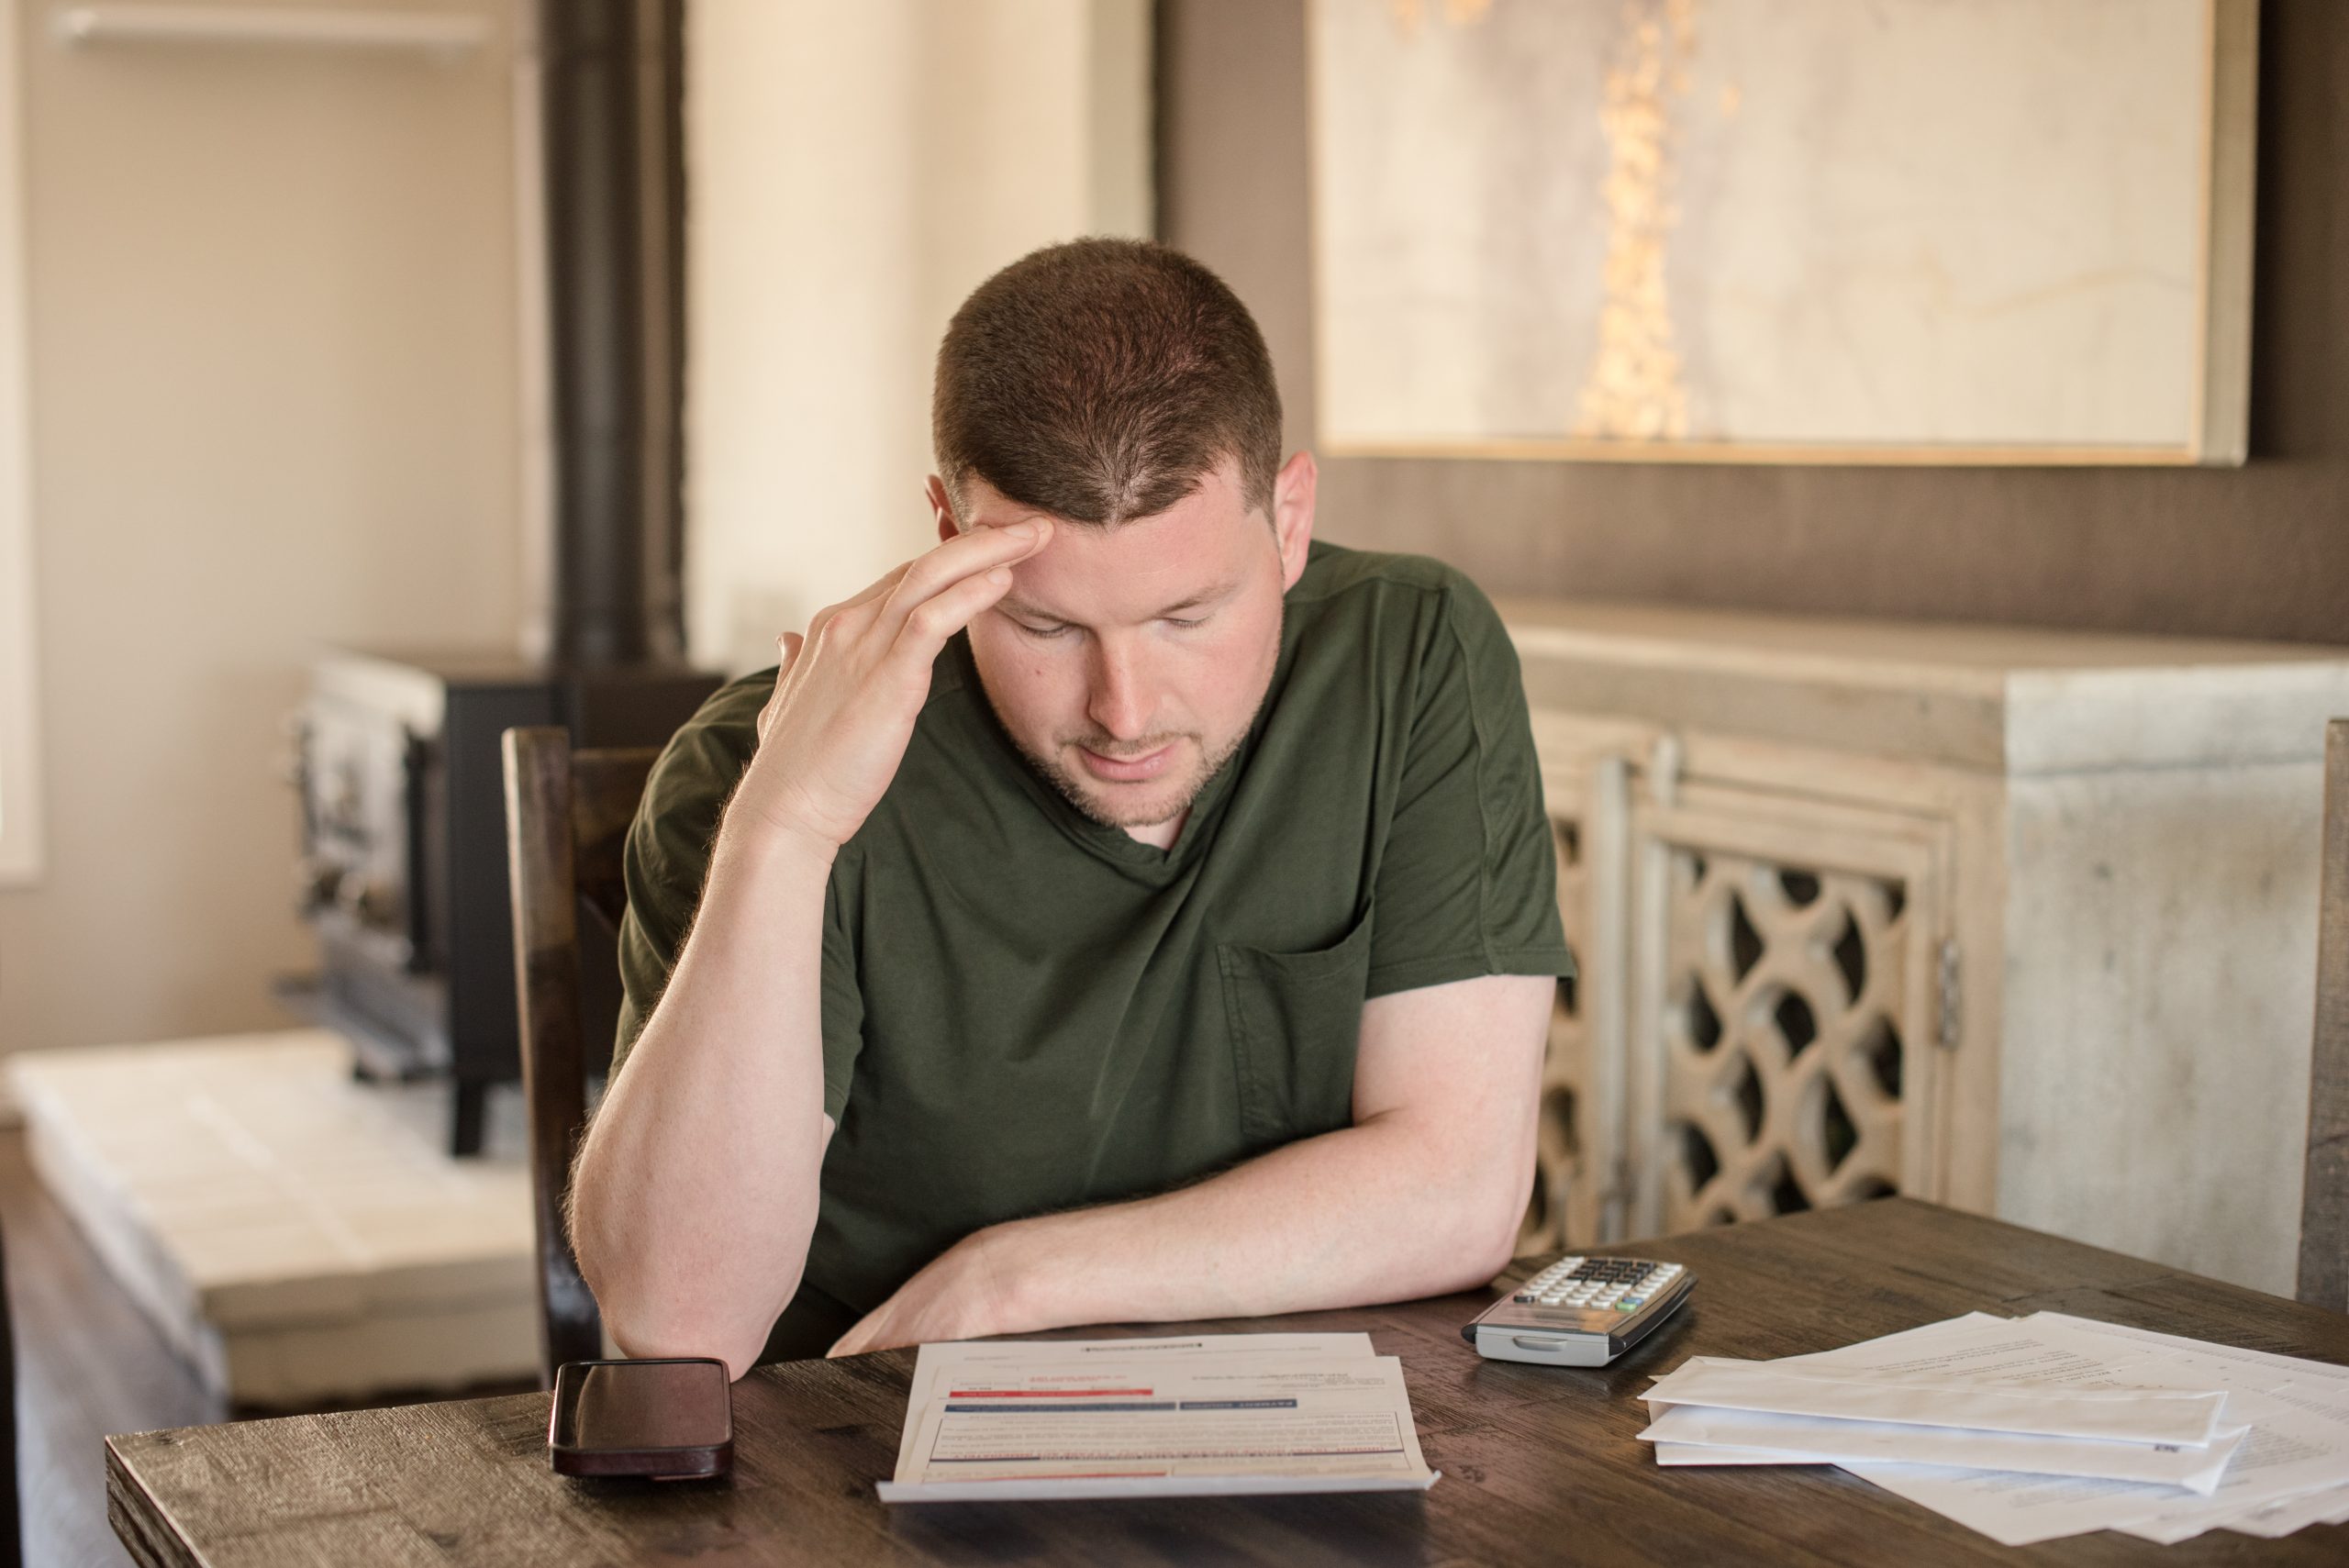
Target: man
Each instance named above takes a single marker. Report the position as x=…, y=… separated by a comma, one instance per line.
x=1128, y=910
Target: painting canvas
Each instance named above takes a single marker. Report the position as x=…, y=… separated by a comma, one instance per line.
x=1793, y=231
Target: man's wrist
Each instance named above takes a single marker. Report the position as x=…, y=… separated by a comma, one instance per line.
x=757, y=841
x=998, y=1265
x=1027, y=1265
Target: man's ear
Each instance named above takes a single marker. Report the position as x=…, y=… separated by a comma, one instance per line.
x=941, y=511
x=1293, y=491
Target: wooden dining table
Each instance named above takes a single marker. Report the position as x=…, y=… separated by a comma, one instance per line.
x=1539, y=1464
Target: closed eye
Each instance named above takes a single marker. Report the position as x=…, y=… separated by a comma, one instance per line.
x=1185, y=624
x=1044, y=633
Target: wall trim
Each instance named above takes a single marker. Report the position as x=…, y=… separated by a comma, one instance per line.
x=21, y=856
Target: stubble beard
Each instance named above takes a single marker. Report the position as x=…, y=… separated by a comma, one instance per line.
x=1075, y=791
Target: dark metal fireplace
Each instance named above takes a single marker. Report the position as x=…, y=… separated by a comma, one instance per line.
x=403, y=817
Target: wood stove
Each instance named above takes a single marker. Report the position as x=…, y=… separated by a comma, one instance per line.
x=402, y=867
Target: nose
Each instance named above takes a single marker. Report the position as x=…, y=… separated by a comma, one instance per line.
x=1119, y=702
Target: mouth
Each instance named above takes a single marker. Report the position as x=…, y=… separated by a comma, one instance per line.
x=1127, y=770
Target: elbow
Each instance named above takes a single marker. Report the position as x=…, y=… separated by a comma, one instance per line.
x=1476, y=1209
x=738, y=1355
x=1471, y=1265
x=1497, y=1249
x=1480, y=1242
x=1489, y=1244
x=649, y=1331
x=1500, y=1256
x=648, y=1313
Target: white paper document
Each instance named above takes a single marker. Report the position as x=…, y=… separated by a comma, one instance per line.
x=2031, y=1428
x=2301, y=1444
x=2020, y=1509
x=2040, y=1355
x=2281, y=1518
x=1004, y=1366
x=2294, y=1447
x=1216, y=1414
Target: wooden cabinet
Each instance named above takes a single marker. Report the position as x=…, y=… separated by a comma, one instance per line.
x=2017, y=921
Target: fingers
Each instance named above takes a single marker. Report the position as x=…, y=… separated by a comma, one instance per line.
x=787, y=650
x=863, y=597
x=913, y=607
x=962, y=557
x=854, y=1341
x=910, y=583
x=879, y=586
x=931, y=622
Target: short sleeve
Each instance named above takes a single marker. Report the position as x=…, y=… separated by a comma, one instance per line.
x=666, y=861
x=1467, y=879
x=843, y=1002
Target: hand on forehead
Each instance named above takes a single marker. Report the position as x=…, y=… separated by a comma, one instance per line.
x=1198, y=551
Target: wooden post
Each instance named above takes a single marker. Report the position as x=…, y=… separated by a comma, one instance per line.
x=546, y=988
x=2324, y=1200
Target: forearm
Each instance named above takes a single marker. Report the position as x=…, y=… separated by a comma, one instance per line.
x=1380, y=1211
x=696, y=1189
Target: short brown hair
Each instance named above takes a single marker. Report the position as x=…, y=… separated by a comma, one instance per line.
x=1099, y=380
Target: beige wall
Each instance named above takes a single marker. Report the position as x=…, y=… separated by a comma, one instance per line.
x=855, y=171
x=271, y=303
x=20, y=806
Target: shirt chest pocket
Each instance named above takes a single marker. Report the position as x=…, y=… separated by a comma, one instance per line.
x=1295, y=1018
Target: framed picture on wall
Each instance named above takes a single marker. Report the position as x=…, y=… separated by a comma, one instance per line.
x=2001, y=231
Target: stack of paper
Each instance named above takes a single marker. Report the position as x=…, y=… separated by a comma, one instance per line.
x=1210, y=1414
x=2029, y=1429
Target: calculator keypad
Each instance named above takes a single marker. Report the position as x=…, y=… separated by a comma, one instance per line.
x=1596, y=1284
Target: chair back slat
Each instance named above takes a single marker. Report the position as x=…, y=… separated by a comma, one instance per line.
x=11, y=1507
x=567, y=816
x=605, y=789
x=2324, y=1197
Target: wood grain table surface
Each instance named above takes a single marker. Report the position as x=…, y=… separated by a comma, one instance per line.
x=1539, y=1464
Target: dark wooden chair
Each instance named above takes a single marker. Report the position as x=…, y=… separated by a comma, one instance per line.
x=567, y=815
x=11, y=1521
x=2324, y=1196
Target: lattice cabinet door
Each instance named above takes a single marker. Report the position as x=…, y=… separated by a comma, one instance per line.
x=1793, y=1013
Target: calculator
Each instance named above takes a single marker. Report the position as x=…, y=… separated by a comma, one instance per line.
x=1580, y=1311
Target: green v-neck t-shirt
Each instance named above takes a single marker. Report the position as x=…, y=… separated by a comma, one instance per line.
x=1026, y=1011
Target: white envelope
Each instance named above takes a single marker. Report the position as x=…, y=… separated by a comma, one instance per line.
x=2138, y=1416
x=1694, y=1453
x=1832, y=1442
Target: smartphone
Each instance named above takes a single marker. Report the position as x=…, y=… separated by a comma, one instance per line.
x=667, y=1419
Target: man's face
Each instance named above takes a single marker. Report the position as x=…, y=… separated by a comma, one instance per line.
x=1128, y=664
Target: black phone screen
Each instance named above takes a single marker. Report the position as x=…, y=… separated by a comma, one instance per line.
x=641, y=1404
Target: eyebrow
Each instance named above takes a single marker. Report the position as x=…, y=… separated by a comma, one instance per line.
x=1208, y=595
